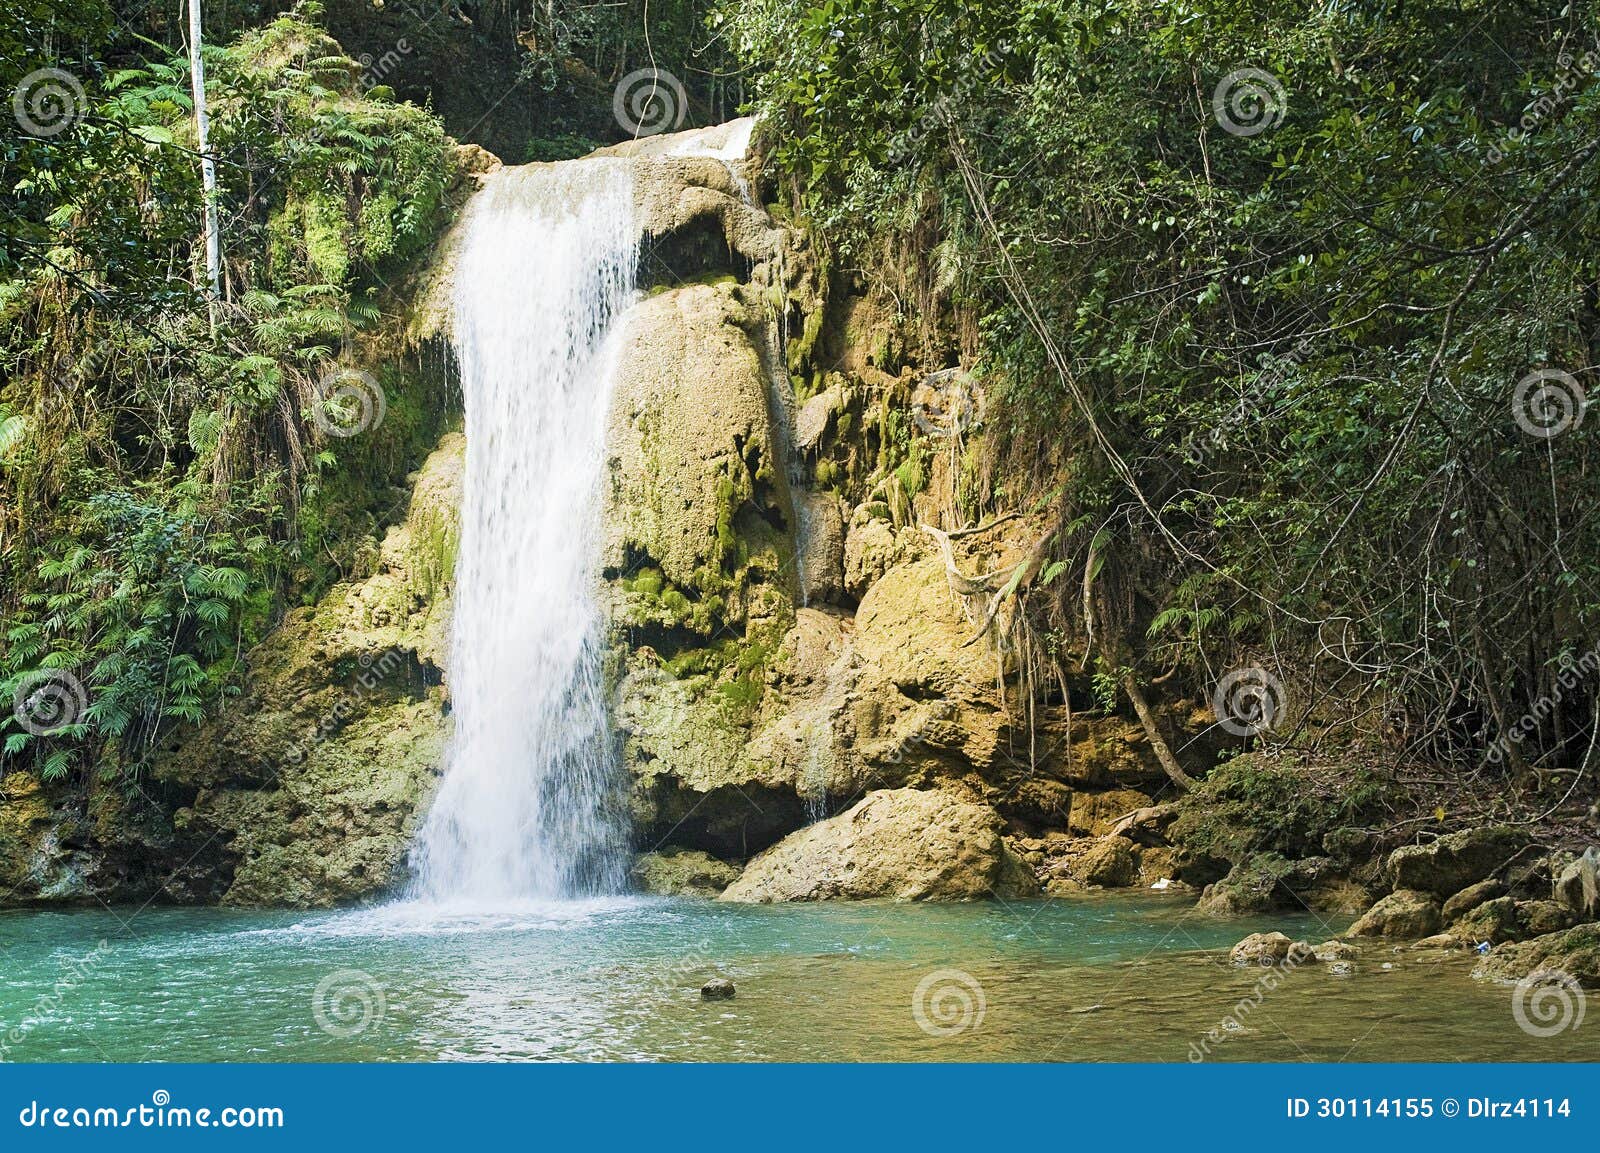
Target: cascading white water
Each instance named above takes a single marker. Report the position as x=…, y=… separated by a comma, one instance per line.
x=529, y=807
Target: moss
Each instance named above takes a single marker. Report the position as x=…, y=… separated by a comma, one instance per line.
x=1255, y=806
x=647, y=582
x=327, y=250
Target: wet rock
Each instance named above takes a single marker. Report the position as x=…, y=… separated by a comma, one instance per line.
x=1407, y=913
x=1471, y=897
x=1508, y=919
x=1269, y=949
x=1341, y=969
x=1538, y=918
x=1575, y=952
x=1578, y=886
x=1109, y=863
x=873, y=546
x=717, y=989
x=1336, y=951
x=1453, y=862
x=821, y=538
x=682, y=872
x=1250, y=887
x=308, y=788
x=906, y=844
x=1493, y=921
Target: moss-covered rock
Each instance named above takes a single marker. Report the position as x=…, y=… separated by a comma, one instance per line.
x=683, y=872
x=1575, y=952
x=1406, y=913
x=306, y=790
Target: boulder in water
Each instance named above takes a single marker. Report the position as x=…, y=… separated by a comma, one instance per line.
x=1406, y=913
x=717, y=989
x=908, y=844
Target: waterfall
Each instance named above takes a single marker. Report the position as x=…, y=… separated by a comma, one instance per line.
x=530, y=807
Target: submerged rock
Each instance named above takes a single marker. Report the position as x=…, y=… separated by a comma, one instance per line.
x=907, y=844
x=717, y=989
x=1407, y=913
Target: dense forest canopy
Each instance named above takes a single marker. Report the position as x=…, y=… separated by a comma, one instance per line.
x=1288, y=311
x=1295, y=303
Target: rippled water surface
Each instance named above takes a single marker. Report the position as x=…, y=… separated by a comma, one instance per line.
x=1086, y=979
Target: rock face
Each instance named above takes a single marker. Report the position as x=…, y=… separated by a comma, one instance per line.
x=1578, y=886
x=1407, y=914
x=906, y=844
x=1453, y=862
x=683, y=872
x=307, y=788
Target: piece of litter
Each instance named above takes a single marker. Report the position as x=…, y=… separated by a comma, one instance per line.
x=1162, y=883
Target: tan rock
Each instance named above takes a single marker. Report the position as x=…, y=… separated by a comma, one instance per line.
x=906, y=844
x=1405, y=913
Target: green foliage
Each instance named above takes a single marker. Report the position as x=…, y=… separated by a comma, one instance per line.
x=1281, y=363
x=164, y=488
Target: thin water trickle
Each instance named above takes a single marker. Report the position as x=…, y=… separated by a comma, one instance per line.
x=530, y=806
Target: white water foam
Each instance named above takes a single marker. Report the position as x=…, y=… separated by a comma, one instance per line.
x=530, y=807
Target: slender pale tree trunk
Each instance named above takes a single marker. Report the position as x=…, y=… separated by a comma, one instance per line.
x=208, y=168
